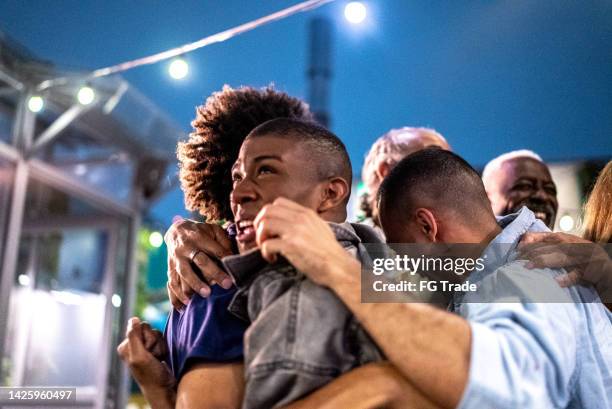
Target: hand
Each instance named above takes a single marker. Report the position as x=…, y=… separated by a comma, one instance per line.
x=584, y=260
x=303, y=238
x=207, y=242
x=139, y=350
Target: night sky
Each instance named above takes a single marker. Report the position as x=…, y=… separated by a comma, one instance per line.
x=491, y=76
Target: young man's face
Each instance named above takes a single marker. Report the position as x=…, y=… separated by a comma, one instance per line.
x=527, y=182
x=267, y=168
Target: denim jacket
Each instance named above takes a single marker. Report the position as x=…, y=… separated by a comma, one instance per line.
x=301, y=336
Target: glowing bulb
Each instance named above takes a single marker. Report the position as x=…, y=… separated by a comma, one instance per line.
x=566, y=223
x=178, y=69
x=116, y=300
x=24, y=280
x=36, y=103
x=86, y=95
x=156, y=239
x=355, y=12
x=150, y=313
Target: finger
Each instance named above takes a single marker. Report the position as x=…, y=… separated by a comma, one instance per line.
x=222, y=238
x=174, y=281
x=537, y=249
x=148, y=336
x=550, y=260
x=135, y=338
x=175, y=287
x=160, y=348
x=271, y=228
x=211, y=271
x=189, y=277
x=130, y=325
x=534, y=237
x=174, y=300
x=569, y=279
x=279, y=212
x=122, y=349
x=271, y=249
x=289, y=204
x=186, y=290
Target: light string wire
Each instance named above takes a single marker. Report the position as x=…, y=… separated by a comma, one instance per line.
x=212, y=39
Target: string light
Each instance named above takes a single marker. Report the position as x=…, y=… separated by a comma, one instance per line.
x=175, y=52
x=178, y=69
x=86, y=95
x=355, y=12
x=36, y=103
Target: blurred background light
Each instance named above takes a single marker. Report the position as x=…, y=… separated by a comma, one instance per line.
x=116, y=300
x=156, y=239
x=36, y=103
x=355, y=12
x=86, y=95
x=566, y=223
x=178, y=69
x=24, y=280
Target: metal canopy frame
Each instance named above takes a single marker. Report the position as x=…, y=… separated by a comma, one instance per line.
x=101, y=121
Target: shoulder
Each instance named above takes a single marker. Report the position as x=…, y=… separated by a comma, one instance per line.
x=514, y=282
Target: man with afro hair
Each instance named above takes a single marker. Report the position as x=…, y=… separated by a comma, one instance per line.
x=204, y=342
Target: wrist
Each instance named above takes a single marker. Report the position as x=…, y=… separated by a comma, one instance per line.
x=343, y=269
x=160, y=397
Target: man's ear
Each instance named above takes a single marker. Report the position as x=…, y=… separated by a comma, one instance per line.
x=427, y=223
x=334, y=194
x=382, y=170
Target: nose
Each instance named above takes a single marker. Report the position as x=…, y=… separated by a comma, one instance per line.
x=243, y=192
x=541, y=193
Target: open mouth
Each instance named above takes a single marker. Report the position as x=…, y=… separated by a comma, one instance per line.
x=245, y=231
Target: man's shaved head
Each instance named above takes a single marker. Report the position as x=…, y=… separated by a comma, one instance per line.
x=436, y=179
x=520, y=178
x=327, y=152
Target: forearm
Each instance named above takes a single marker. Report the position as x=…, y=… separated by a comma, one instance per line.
x=428, y=346
x=159, y=397
x=371, y=386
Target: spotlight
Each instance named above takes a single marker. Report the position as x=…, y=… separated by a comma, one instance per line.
x=86, y=95
x=178, y=69
x=36, y=103
x=355, y=12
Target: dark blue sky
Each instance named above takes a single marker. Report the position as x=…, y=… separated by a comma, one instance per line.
x=490, y=75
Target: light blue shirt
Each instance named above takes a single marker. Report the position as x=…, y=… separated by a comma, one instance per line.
x=531, y=354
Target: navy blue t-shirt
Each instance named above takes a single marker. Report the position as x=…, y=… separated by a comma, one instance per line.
x=204, y=331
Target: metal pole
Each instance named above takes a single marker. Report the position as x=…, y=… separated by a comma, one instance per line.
x=319, y=71
x=131, y=279
x=23, y=131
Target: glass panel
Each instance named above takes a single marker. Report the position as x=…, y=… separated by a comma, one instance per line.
x=88, y=158
x=58, y=333
x=7, y=174
x=7, y=116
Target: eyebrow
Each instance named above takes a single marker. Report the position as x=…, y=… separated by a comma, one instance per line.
x=261, y=158
x=264, y=157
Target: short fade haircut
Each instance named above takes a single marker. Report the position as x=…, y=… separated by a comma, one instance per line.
x=392, y=147
x=220, y=126
x=332, y=156
x=435, y=177
x=496, y=164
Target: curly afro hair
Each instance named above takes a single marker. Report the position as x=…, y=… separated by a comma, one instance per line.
x=220, y=127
